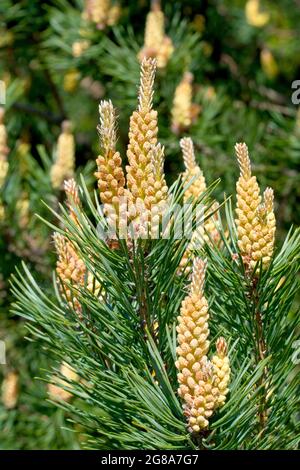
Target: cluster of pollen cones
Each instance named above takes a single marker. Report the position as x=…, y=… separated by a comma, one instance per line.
x=203, y=381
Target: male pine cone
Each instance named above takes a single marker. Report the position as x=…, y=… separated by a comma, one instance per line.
x=142, y=135
x=146, y=183
x=156, y=43
x=184, y=112
x=193, y=175
x=256, y=224
x=70, y=268
x=195, y=183
x=202, y=383
x=101, y=12
x=221, y=369
x=10, y=390
x=63, y=167
x=110, y=175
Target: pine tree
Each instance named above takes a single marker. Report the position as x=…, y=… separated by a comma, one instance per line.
x=57, y=60
x=144, y=374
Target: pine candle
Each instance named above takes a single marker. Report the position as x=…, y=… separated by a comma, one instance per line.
x=202, y=383
x=256, y=224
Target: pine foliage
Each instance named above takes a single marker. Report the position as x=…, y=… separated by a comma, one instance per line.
x=122, y=342
x=224, y=76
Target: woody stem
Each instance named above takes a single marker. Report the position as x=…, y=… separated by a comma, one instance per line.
x=260, y=356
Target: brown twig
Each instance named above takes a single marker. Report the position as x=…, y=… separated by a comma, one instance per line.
x=56, y=119
x=265, y=106
x=260, y=356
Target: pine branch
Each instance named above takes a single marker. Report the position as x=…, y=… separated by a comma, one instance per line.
x=260, y=355
x=50, y=117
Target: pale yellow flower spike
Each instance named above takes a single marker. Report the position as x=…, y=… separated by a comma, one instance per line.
x=192, y=335
x=79, y=47
x=73, y=200
x=205, y=233
x=205, y=398
x=156, y=43
x=55, y=390
x=192, y=171
x=221, y=368
x=157, y=191
x=248, y=201
x=188, y=153
x=192, y=326
x=101, y=12
x=63, y=167
x=184, y=112
x=243, y=159
x=269, y=200
x=71, y=190
x=158, y=163
x=181, y=111
x=70, y=269
x=212, y=226
x=113, y=15
x=196, y=375
x=147, y=188
x=146, y=90
x=107, y=128
x=268, y=228
x=110, y=175
x=209, y=230
x=155, y=28
x=10, y=390
x=142, y=136
x=198, y=277
x=255, y=221
x=97, y=11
